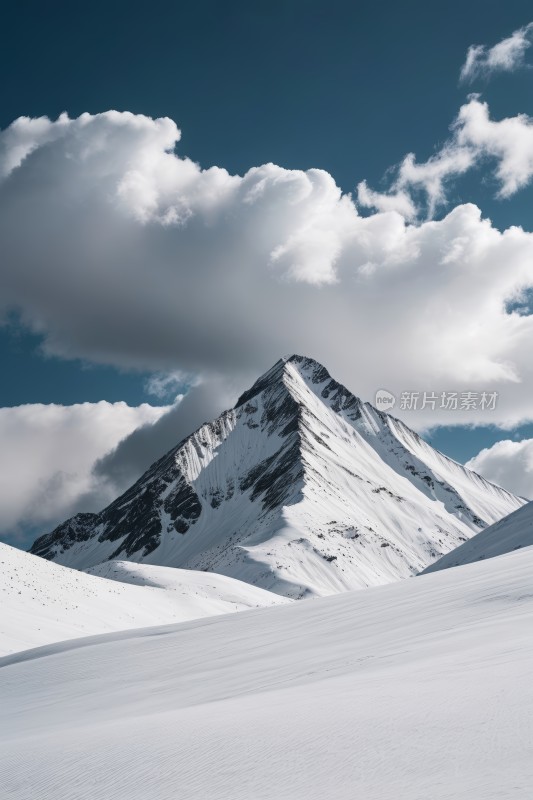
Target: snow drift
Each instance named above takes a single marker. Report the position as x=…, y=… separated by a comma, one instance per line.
x=44, y=602
x=511, y=533
x=420, y=689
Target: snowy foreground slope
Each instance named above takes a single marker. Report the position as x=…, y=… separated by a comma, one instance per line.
x=420, y=690
x=511, y=533
x=301, y=489
x=43, y=602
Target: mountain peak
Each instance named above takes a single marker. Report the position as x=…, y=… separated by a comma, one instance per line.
x=307, y=367
x=300, y=488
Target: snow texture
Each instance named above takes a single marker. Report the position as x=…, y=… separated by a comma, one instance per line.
x=420, y=689
x=43, y=602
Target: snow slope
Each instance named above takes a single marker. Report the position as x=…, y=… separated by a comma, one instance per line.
x=420, y=689
x=43, y=602
x=301, y=489
x=511, y=533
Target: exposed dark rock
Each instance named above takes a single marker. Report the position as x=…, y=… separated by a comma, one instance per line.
x=79, y=528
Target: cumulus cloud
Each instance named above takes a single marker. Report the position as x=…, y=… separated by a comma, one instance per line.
x=505, y=145
x=432, y=176
x=509, y=464
x=506, y=56
x=118, y=249
x=508, y=141
x=398, y=201
x=47, y=458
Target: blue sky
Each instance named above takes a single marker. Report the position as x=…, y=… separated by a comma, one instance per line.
x=344, y=87
x=348, y=87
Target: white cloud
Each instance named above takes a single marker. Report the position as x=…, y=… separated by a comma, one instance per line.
x=119, y=250
x=398, y=201
x=505, y=145
x=167, y=385
x=475, y=137
x=47, y=456
x=509, y=141
x=431, y=176
x=509, y=464
x=506, y=56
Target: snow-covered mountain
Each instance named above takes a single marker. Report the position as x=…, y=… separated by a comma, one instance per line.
x=301, y=489
x=417, y=690
x=44, y=602
x=511, y=533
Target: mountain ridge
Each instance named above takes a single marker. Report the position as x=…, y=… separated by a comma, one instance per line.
x=513, y=532
x=300, y=488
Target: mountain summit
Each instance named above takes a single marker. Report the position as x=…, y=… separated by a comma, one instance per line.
x=301, y=489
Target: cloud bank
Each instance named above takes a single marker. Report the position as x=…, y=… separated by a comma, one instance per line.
x=509, y=464
x=47, y=458
x=118, y=249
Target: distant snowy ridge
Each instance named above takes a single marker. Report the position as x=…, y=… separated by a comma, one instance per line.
x=44, y=602
x=511, y=533
x=301, y=489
